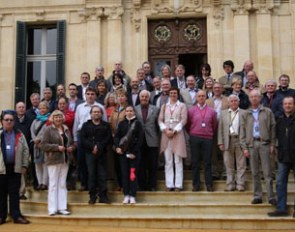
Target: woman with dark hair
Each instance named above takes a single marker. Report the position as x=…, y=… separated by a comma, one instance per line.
x=57, y=144
x=101, y=91
x=127, y=142
x=117, y=82
x=206, y=72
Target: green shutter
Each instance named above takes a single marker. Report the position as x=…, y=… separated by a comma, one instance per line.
x=20, y=67
x=60, y=52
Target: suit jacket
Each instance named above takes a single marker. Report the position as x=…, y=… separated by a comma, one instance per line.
x=174, y=82
x=129, y=99
x=80, y=92
x=227, y=83
x=189, y=102
x=224, y=102
x=223, y=127
x=150, y=127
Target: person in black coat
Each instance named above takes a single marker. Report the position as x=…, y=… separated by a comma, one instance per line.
x=285, y=133
x=237, y=90
x=127, y=141
x=95, y=137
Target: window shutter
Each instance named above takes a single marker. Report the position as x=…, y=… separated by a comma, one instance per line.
x=20, y=67
x=60, y=51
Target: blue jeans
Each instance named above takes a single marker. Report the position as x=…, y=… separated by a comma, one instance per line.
x=282, y=183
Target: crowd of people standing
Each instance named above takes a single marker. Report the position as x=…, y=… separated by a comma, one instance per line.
x=126, y=128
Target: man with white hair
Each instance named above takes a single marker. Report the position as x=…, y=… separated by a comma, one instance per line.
x=148, y=114
x=228, y=142
x=248, y=66
x=99, y=75
x=271, y=98
x=257, y=139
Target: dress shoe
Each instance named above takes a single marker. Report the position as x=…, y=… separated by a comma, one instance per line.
x=278, y=214
x=177, y=189
x=272, y=202
x=91, y=201
x=256, y=201
x=196, y=188
x=209, y=188
x=23, y=197
x=104, y=200
x=43, y=187
x=169, y=189
x=2, y=221
x=241, y=189
x=52, y=213
x=63, y=212
x=21, y=220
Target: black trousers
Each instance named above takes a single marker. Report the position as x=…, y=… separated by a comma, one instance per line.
x=201, y=148
x=97, y=176
x=148, y=167
x=128, y=166
x=9, y=186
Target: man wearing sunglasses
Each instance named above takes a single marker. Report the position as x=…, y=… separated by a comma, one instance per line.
x=14, y=160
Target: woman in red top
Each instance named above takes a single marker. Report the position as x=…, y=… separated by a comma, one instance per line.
x=62, y=105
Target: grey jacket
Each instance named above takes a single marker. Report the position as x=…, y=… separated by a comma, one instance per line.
x=150, y=127
x=266, y=126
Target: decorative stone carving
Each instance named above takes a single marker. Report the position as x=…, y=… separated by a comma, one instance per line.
x=90, y=14
x=136, y=4
x=218, y=15
x=40, y=14
x=191, y=6
x=241, y=7
x=263, y=6
x=159, y=6
x=114, y=12
x=135, y=19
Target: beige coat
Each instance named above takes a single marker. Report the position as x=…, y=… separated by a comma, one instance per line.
x=178, y=141
x=223, y=127
x=224, y=102
x=266, y=126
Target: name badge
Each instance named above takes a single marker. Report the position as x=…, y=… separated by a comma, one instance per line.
x=203, y=125
x=256, y=128
x=8, y=147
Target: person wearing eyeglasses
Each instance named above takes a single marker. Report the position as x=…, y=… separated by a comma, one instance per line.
x=83, y=115
x=14, y=161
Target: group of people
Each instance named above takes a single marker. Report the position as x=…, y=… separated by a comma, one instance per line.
x=127, y=128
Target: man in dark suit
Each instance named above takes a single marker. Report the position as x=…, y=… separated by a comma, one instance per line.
x=32, y=112
x=157, y=88
x=148, y=73
x=147, y=114
x=226, y=80
x=74, y=101
x=133, y=92
x=179, y=81
x=85, y=80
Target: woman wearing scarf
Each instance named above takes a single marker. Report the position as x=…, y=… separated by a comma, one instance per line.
x=57, y=144
x=37, y=130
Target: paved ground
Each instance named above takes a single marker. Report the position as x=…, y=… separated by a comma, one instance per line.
x=10, y=227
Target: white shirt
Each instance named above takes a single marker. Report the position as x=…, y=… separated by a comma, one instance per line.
x=217, y=106
x=84, y=91
x=234, y=121
x=83, y=115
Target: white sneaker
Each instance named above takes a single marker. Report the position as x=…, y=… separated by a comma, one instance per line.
x=64, y=212
x=126, y=199
x=132, y=200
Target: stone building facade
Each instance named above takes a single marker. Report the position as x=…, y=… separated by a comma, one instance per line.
x=86, y=33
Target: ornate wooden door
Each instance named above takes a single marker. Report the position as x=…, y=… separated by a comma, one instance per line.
x=171, y=39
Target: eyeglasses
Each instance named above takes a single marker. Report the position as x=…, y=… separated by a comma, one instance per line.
x=8, y=120
x=90, y=94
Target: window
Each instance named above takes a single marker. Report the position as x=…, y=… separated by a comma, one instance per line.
x=39, y=58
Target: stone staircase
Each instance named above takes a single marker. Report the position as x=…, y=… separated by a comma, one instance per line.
x=185, y=210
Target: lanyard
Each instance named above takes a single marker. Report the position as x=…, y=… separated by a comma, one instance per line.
x=203, y=112
x=233, y=118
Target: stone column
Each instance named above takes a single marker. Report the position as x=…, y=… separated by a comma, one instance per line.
x=241, y=33
x=264, y=66
x=94, y=35
x=114, y=36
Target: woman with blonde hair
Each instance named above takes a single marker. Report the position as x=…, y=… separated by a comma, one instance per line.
x=57, y=145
